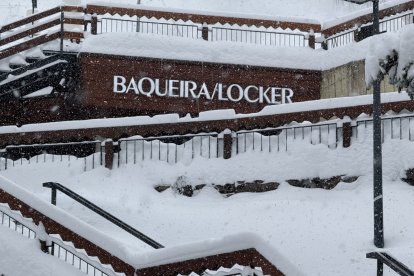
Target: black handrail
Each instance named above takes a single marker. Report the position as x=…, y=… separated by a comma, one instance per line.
x=56, y=186
x=384, y=258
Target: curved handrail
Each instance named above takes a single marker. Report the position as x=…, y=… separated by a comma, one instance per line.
x=56, y=186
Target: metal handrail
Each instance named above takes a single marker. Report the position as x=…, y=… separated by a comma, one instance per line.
x=384, y=258
x=56, y=186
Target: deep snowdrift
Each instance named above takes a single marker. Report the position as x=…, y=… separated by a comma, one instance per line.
x=20, y=256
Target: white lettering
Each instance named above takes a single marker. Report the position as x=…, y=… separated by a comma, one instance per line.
x=204, y=91
x=119, y=84
x=274, y=95
x=157, y=88
x=263, y=95
x=220, y=97
x=229, y=93
x=189, y=89
x=132, y=86
x=246, y=94
x=141, y=88
x=287, y=97
x=172, y=88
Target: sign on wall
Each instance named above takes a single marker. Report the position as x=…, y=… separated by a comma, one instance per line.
x=190, y=89
x=152, y=86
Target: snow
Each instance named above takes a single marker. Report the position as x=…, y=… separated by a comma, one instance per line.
x=181, y=48
x=65, y=219
x=21, y=256
x=402, y=42
x=318, y=10
x=304, y=231
x=321, y=232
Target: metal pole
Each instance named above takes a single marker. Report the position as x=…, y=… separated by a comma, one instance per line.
x=62, y=29
x=378, y=203
x=53, y=196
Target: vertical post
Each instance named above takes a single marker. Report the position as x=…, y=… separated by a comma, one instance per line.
x=227, y=145
x=375, y=25
x=53, y=196
x=378, y=202
x=380, y=268
x=94, y=24
x=43, y=246
x=109, y=154
x=312, y=39
x=204, y=31
x=346, y=134
x=62, y=28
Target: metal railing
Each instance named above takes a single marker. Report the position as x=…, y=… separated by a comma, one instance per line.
x=384, y=258
x=341, y=39
x=282, y=138
x=396, y=127
x=13, y=223
x=91, y=152
x=58, y=187
x=109, y=25
x=170, y=149
x=57, y=247
x=395, y=23
x=390, y=24
x=258, y=37
x=79, y=260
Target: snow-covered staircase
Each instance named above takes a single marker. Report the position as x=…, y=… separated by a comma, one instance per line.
x=25, y=67
x=29, y=74
x=36, y=219
x=54, y=244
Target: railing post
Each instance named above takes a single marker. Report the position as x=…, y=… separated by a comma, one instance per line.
x=312, y=40
x=62, y=28
x=43, y=246
x=204, y=31
x=324, y=45
x=53, y=196
x=380, y=268
x=109, y=154
x=94, y=24
x=346, y=134
x=227, y=144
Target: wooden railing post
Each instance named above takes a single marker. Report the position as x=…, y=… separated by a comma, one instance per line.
x=94, y=24
x=312, y=40
x=204, y=31
x=109, y=154
x=227, y=144
x=346, y=134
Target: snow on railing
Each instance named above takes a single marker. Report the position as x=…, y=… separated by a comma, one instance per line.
x=87, y=155
x=65, y=251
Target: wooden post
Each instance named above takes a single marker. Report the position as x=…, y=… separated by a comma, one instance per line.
x=204, y=31
x=312, y=39
x=227, y=145
x=346, y=134
x=109, y=154
x=94, y=24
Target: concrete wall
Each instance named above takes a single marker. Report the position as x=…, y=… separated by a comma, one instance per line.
x=348, y=80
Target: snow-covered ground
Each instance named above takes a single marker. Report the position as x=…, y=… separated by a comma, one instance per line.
x=321, y=232
x=20, y=256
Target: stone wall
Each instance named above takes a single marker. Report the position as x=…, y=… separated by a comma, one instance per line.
x=348, y=80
